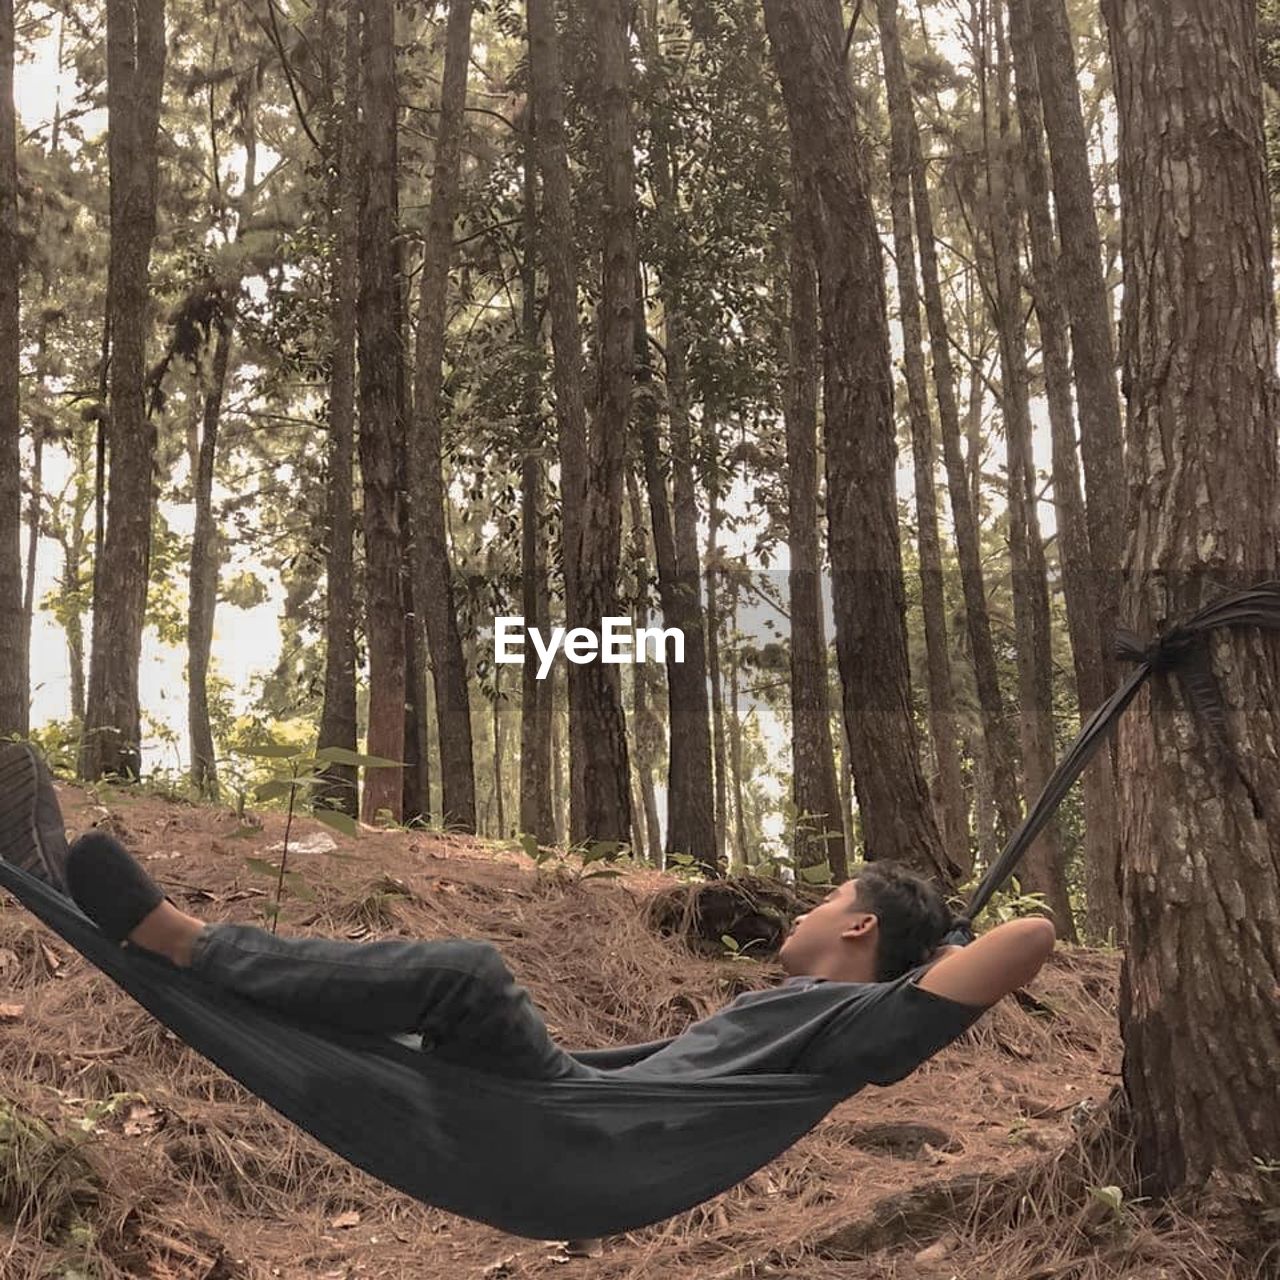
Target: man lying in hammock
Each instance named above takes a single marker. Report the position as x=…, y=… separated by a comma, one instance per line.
x=903, y=996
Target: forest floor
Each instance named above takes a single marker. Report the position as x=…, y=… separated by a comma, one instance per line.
x=178, y=1172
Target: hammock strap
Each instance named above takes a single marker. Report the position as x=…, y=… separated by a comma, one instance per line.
x=1181, y=650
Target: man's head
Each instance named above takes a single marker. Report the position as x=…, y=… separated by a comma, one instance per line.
x=872, y=928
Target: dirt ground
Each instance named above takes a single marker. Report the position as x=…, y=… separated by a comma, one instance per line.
x=156, y=1165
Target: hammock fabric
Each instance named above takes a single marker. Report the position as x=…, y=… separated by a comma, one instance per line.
x=577, y=1157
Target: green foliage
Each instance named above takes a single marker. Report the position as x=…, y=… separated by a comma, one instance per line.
x=295, y=779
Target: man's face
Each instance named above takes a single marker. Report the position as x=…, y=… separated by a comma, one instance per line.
x=820, y=935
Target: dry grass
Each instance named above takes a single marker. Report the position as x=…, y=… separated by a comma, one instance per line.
x=190, y=1176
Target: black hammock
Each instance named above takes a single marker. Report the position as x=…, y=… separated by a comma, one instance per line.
x=583, y=1157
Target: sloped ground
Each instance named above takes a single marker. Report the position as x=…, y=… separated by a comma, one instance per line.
x=151, y=1163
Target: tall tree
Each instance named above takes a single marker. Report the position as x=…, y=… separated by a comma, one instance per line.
x=598, y=744
x=999, y=751
x=600, y=801
x=949, y=790
x=868, y=594
x=205, y=538
x=14, y=655
x=815, y=794
x=112, y=741
x=1079, y=582
x=433, y=588
x=1042, y=870
x=536, y=814
x=1200, y=836
x=379, y=340
x=1084, y=291
x=338, y=727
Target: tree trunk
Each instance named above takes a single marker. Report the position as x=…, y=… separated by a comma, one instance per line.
x=379, y=340
x=868, y=594
x=599, y=741
x=713, y=672
x=1084, y=292
x=205, y=552
x=1200, y=836
x=1078, y=580
x=338, y=727
x=690, y=793
x=949, y=790
x=433, y=587
x=33, y=543
x=111, y=743
x=536, y=815
x=598, y=768
x=740, y=859
x=14, y=653
x=202, y=596
x=996, y=726
x=815, y=794
x=1041, y=870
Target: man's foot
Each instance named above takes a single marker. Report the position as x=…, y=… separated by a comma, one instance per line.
x=31, y=830
x=109, y=886
x=168, y=932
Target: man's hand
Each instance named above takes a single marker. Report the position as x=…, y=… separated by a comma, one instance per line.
x=999, y=962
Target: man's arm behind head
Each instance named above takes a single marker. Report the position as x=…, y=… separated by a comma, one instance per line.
x=1002, y=960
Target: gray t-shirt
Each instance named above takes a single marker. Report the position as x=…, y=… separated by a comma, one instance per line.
x=856, y=1033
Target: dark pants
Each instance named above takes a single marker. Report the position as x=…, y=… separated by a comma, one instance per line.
x=458, y=994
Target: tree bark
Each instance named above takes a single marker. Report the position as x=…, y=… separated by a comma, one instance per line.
x=1084, y=292
x=949, y=790
x=1200, y=835
x=1079, y=582
x=111, y=743
x=338, y=721
x=690, y=793
x=713, y=672
x=379, y=340
x=599, y=741
x=536, y=815
x=205, y=553
x=868, y=594
x=1041, y=870
x=14, y=651
x=815, y=794
x=433, y=588
x=600, y=803
x=740, y=859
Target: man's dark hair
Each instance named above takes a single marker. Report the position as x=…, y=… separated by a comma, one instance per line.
x=913, y=918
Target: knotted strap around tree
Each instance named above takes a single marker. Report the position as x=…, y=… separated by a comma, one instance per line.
x=1181, y=650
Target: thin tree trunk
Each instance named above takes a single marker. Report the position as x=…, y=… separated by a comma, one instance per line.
x=739, y=861
x=536, y=816
x=33, y=530
x=338, y=727
x=433, y=587
x=559, y=788
x=599, y=739
x=205, y=554
x=949, y=791
x=690, y=794
x=379, y=339
x=815, y=794
x=14, y=649
x=1084, y=292
x=600, y=801
x=996, y=725
x=1078, y=579
x=1200, y=833
x=713, y=672
x=497, y=754
x=869, y=598
x=1041, y=870
x=136, y=48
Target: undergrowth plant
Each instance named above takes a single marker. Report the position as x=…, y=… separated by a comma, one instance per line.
x=298, y=773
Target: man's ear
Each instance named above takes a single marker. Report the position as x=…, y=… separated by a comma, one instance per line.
x=863, y=926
